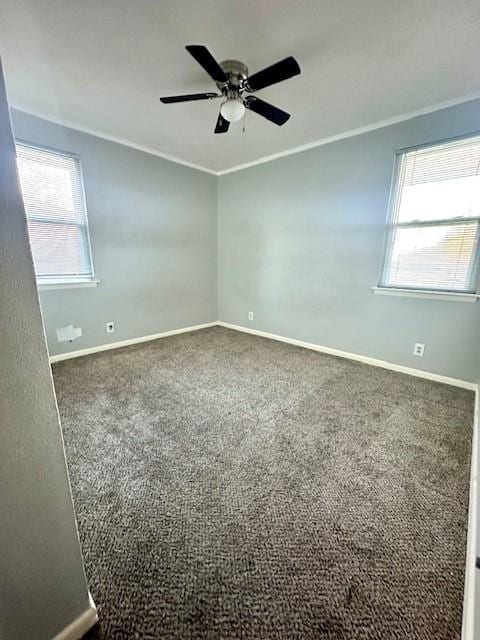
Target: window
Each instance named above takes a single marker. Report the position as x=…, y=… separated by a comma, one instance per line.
x=433, y=237
x=52, y=190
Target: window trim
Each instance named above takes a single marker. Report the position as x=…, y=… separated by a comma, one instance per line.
x=58, y=283
x=393, y=204
x=426, y=293
x=65, y=281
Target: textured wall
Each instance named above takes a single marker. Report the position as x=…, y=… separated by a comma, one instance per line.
x=42, y=582
x=301, y=244
x=153, y=236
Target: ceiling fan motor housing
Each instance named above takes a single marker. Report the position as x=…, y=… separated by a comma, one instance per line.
x=237, y=73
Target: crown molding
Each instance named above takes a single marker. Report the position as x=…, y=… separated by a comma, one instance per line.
x=126, y=143
x=352, y=132
x=264, y=159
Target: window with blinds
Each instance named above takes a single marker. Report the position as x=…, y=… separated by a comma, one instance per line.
x=433, y=239
x=52, y=190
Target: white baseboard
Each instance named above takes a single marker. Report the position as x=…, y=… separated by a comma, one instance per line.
x=125, y=343
x=79, y=627
x=468, y=626
x=419, y=373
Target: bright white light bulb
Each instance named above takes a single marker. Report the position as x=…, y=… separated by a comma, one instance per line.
x=232, y=110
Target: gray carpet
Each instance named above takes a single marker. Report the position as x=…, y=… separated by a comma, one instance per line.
x=232, y=487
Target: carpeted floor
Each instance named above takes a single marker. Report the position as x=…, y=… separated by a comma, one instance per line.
x=232, y=487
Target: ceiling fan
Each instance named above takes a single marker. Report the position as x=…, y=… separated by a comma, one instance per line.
x=233, y=81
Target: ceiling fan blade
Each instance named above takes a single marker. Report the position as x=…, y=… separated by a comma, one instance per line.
x=275, y=73
x=267, y=110
x=204, y=58
x=188, y=97
x=222, y=124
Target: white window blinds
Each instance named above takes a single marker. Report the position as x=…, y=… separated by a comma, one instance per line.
x=57, y=223
x=433, y=240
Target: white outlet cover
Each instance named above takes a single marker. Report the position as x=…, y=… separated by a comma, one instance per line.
x=110, y=327
x=418, y=349
x=68, y=334
x=250, y=315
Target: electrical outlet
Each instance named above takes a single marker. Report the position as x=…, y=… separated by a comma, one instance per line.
x=250, y=315
x=418, y=349
x=110, y=327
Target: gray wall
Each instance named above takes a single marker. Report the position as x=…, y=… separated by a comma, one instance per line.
x=300, y=243
x=153, y=235
x=42, y=582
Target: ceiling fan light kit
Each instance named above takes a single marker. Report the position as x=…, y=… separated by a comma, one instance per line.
x=232, y=109
x=233, y=81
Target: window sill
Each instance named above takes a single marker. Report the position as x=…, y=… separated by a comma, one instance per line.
x=421, y=293
x=67, y=284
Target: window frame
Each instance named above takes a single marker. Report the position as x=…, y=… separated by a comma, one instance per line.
x=64, y=281
x=394, y=202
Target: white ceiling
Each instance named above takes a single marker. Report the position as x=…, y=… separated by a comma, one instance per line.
x=102, y=65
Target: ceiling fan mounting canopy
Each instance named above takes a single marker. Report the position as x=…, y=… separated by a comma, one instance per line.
x=236, y=72
x=232, y=80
